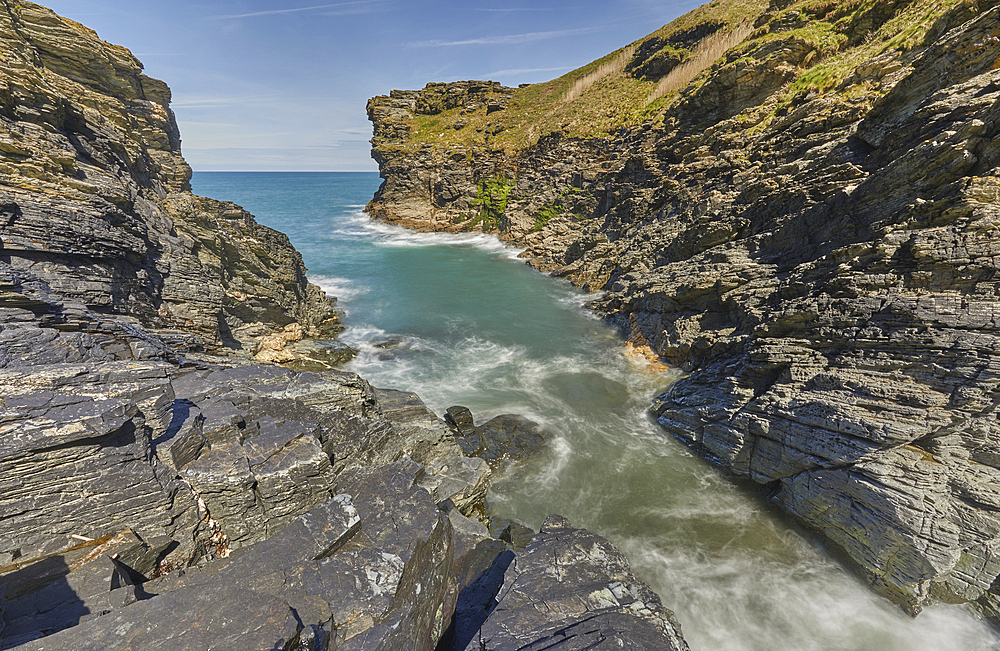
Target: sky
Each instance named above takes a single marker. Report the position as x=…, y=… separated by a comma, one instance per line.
x=282, y=85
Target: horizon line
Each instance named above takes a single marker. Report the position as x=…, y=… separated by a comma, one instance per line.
x=292, y=171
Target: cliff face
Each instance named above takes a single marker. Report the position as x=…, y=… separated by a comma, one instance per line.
x=95, y=198
x=808, y=224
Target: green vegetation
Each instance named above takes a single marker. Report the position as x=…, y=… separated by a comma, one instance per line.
x=491, y=198
x=555, y=208
x=544, y=214
x=593, y=101
x=832, y=42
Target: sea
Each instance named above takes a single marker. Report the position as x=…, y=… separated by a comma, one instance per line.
x=462, y=320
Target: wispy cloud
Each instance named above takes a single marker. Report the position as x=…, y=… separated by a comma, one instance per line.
x=525, y=71
x=512, y=9
x=508, y=39
x=274, y=12
x=236, y=100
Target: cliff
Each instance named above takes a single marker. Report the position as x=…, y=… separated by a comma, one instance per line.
x=159, y=488
x=95, y=199
x=797, y=202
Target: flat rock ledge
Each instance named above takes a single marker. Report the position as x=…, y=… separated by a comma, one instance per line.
x=152, y=501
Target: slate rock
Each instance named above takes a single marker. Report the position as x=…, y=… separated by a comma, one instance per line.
x=188, y=619
x=76, y=458
x=74, y=585
x=571, y=589
x=504, y=438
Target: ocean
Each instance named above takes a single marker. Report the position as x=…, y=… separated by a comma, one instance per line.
x=461, y=320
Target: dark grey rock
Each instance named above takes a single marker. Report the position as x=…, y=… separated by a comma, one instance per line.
x=570, y=589
x=504, y=438
x=513, y=533
x=189, y=619
x=460, y=419
x=85, y=581
x=76, y=458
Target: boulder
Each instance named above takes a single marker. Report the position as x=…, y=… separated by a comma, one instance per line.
x=504, y=438
x=568, y=589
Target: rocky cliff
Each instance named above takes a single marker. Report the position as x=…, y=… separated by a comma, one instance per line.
x=798, y=203
x=161, y=489
x=95, y=199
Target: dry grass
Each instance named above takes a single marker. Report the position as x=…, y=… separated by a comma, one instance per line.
x=705, y=53
x=614, y=66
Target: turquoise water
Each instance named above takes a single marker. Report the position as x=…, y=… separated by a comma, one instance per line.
x=461, y=320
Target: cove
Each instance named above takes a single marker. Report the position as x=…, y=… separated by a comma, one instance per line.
x=459, y=319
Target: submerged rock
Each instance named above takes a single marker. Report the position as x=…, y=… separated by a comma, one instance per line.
x=508, y=437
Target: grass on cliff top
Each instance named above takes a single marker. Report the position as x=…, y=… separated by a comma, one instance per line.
x=592, y=101
x=862, y=42
x=602, y=97
x=903, y=30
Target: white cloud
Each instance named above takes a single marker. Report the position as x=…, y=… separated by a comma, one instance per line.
x=274, y=12
x=509, y=39
x=526, y=71
x=511, y=9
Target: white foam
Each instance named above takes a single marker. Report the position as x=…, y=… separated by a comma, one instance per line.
x=391, y=235
x=343, y=289
x=560, y=452
x=808, y=605
x=353, y=224
x=358, y=335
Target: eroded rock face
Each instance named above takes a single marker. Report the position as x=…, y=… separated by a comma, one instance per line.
x=95, y=198
x=824, y=267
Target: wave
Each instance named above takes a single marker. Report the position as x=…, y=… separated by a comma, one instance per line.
x=343, y=289
x=391, y=235
x=808, y=604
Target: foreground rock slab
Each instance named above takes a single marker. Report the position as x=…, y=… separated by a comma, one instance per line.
x=571, y=590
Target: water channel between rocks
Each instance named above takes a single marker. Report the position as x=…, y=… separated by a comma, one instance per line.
x=461, y=321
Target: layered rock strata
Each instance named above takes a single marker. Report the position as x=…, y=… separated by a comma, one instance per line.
x=95, y=198
x=147, y=503
x=821, y=258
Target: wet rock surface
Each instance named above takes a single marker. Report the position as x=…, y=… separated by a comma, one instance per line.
x=570, y=589
x=822, y=261
x=502, y=438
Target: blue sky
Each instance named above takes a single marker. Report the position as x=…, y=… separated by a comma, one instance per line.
x=283, y=85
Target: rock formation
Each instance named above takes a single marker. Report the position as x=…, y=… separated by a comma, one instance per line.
x=159, y=487
x=253, y=506
x=95, y=199
x=807, y=223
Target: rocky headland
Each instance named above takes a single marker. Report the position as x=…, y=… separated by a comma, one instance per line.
x=165, y=484
x=797, y=202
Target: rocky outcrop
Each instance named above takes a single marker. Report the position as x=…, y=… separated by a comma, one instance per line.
x=592, y=600
x=95, y=199
x=425, y=188
x=192, y=506
x=809, y=228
